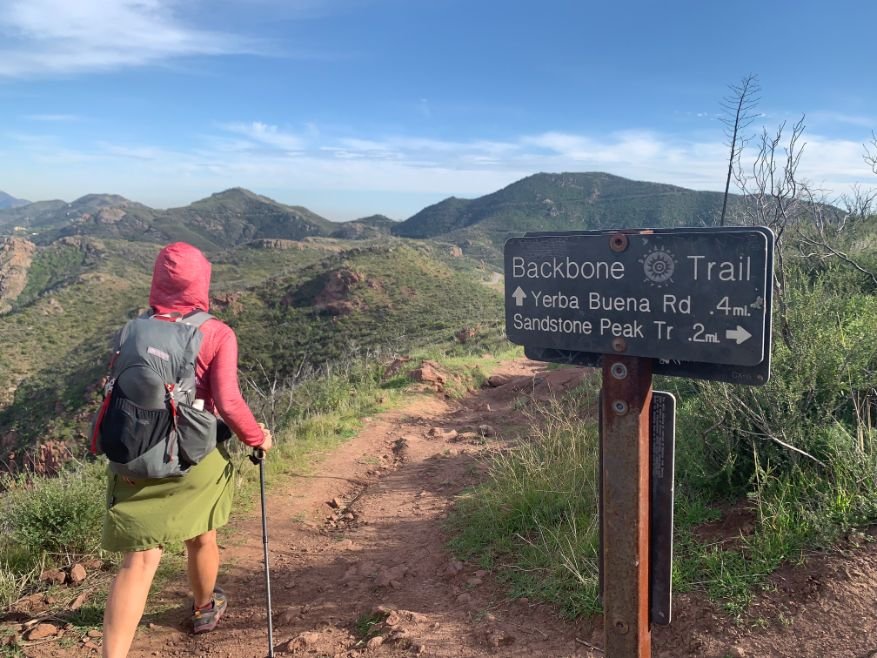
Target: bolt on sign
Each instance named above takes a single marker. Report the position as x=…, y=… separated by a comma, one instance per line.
x=696, y=300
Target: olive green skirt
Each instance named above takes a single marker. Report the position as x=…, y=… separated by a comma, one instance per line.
x=151, y=513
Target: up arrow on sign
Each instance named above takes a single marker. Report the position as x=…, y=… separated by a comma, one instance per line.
x=739, y=334
x=519, y=296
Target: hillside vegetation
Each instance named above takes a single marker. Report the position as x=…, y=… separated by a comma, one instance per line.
x=395, y=296
x=293, y=304
x=56, y=336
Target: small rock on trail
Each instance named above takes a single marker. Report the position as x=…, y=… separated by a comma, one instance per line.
x=42, y=631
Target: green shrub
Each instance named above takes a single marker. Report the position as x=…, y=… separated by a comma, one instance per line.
x=799, y=451
x=60, y=515
x=535, y=518
x=811, y=420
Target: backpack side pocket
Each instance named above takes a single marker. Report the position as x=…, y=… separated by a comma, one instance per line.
x=129, y=431
x=197, y=434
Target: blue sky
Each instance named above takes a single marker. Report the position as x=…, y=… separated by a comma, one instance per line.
x=354, y=107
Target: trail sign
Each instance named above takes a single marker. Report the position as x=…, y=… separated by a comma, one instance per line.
x=684, y=302
x=687, y=297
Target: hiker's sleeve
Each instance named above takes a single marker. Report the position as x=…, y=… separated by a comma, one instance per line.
x=226, y=390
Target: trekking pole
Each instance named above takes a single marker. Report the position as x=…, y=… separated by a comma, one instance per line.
x=258, y=457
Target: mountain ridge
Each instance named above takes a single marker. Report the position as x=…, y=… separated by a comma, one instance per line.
x=9, y=201
x=564, y=201
x=236, y=216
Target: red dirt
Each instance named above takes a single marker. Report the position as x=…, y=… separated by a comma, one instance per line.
x=381, y=547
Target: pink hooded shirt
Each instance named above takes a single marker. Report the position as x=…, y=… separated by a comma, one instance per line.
x=181, y=284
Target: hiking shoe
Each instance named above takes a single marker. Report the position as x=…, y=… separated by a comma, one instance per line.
x=205, y=620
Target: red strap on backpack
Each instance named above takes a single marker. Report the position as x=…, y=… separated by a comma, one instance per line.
x=173, y=406
x=100, y=418
x=104, y=405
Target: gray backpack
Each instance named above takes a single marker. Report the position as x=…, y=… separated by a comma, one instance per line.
x=147, y=425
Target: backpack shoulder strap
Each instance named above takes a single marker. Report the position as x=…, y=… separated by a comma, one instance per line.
x=197, y=318
x=194, y=319
x=122, y=335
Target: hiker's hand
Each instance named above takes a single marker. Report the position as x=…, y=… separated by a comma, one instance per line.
x=267, y=441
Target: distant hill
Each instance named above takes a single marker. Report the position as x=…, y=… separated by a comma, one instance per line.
x=223, y=220
x=568, y=201
x=237, y=216
x=372, y=226
x=34, y=216
x=99, y=215
x=376, y=221
x=9, y=201
x=107, y=216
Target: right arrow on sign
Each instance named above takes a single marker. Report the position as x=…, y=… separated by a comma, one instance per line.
x=739, y=334
x=519, y=296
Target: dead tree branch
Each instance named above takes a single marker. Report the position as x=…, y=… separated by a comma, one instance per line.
x=738, y=107
x=773, y=197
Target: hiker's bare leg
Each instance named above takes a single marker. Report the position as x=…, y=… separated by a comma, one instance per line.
x=127, y=600
x=203, y=563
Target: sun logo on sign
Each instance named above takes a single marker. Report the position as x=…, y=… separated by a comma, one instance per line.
x=658, y=266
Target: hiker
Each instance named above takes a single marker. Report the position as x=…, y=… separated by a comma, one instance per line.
x=144, y=515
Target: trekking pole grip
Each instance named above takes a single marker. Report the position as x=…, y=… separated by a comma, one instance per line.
x=257, y=456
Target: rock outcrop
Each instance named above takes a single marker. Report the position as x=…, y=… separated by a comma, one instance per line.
x=278, y=243
x=334, y=298
x=16, y=255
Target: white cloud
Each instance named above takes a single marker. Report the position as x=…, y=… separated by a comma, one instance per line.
x=834, y=164
x=266, y=135
x=50, y=37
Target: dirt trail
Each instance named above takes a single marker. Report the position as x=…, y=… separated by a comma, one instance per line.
x=383, y=548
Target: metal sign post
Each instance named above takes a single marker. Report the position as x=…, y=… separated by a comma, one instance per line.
x=626, y=399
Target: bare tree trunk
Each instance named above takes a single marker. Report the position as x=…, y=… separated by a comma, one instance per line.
x=738, y=107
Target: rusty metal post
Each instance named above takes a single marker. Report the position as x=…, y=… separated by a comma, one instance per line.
x=626, y=397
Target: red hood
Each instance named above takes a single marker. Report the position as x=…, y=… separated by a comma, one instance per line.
x=180, y=280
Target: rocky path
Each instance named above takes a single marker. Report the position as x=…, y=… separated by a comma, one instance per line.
x=360, y=568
